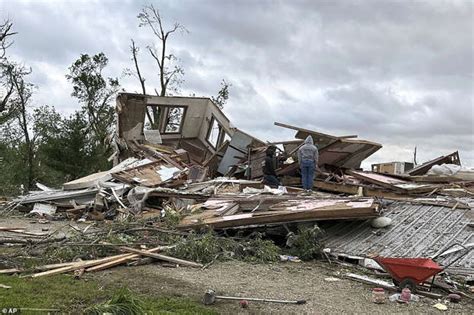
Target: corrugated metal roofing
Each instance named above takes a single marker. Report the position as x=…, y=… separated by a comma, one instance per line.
x=416, y=231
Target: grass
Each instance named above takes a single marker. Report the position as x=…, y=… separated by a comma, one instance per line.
x=68, y=295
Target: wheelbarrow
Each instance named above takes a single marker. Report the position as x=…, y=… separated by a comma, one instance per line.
x=410, y=272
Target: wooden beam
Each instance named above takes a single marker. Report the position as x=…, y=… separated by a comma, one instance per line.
x=78, y=265
x=313, y=132
x=162, y=257
x=9, y=271
x=120, y=259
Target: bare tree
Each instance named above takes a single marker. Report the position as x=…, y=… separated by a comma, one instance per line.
x=134, y=50
x=6, y=84
x=169, y=73
x=20, y=101
x=5, y=34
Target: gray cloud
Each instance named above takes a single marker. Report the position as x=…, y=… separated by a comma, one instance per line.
x=395, y=72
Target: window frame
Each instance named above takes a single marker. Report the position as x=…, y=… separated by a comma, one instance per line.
x=165, y=119
x=219, y=135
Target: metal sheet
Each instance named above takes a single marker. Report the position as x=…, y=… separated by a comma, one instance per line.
x=416, y=231
x=237, y=149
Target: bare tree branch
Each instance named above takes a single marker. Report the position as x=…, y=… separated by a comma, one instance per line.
x=153, y=54
x=5, y=32
x=135, y=50
x=150, y=17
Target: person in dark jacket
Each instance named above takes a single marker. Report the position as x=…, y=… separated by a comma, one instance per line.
x=269, y=175
x=308, y=156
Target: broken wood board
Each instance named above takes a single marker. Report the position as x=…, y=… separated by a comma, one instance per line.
x=9, y=271
x=285, y=212
x=8, y=228
x=87, y=264
x=391, y=183
x=350, y=189
x=337, y=151
x=149, y=175
x=118, y=260
x=93, y=179
x=162, y=257
x=452, y=158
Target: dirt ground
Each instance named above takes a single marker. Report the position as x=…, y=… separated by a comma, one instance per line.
x=277, y=281
x=285, y=280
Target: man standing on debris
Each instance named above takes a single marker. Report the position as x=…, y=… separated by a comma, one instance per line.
x=269, y=175
x=308, y=159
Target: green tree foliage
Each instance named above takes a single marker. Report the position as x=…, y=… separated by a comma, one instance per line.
x=67, y=149
x=223, y=94
x=95, y=93
x=12, y=170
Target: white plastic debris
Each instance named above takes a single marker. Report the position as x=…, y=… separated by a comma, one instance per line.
x=444, y=169
x=440, y=307
x=396, y=297
x=381, y=222
x=289, y=258
x=331, y=279
x=44, y=209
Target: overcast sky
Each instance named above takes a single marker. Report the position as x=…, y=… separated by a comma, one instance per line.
x=395, y=72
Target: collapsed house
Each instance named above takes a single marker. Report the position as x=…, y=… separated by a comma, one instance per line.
x=172, y=153
x=194, y=126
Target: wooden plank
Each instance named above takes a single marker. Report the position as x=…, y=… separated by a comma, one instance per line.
x=26, y=233
x=280, y=217
x=120, y=259
x=10, y=271
x=78, y=265
x=379, y=179
x=159, y=155
x=7, y=228
x=59, y=265
x=353, y=190
x=163, y=257
x=319, y=134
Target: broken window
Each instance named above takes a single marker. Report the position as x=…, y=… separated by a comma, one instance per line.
x=167, y=119
x=174, y=119
x=214, y=132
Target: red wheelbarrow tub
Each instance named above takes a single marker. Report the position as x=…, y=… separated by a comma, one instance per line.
x=417, y=270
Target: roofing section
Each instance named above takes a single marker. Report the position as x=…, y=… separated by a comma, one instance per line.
x=417, y=230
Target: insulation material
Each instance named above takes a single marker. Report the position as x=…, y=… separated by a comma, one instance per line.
x=149, y=175
x=44, y=209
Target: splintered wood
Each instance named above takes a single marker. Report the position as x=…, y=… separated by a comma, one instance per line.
x=80, y=267
x=223, y=213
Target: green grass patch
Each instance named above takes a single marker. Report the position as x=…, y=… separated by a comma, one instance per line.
x=62, y=292
x=68, y=295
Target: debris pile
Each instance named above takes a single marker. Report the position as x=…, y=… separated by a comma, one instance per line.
x=181, y=168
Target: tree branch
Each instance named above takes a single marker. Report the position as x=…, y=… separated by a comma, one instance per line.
x=137, y=68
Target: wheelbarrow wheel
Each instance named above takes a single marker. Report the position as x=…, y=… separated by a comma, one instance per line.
x=407, y=283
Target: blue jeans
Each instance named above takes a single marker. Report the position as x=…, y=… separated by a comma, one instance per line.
x=307, y=173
